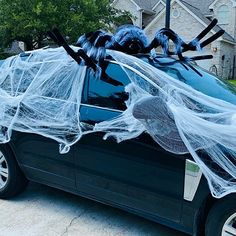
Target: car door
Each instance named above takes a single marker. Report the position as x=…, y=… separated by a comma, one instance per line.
x=41, y=161
x=136, y=174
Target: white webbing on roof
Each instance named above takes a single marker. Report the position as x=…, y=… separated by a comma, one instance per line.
x=42, y=95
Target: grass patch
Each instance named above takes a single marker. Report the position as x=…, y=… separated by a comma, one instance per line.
x=233, y=81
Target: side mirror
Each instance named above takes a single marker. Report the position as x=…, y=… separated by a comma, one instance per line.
x=147, y=109
x=155, y=115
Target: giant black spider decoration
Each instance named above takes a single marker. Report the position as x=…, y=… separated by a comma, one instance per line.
x=132, y=40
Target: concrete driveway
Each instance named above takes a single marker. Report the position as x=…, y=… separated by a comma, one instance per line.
x=44, y=211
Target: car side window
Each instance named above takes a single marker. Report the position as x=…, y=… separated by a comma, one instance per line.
x=104, y=93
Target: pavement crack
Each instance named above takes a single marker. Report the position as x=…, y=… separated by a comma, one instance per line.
x=72, y=222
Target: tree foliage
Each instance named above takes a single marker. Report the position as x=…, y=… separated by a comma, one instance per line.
x=29, y=20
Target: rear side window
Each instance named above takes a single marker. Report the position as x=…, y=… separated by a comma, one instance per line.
x=105, y=94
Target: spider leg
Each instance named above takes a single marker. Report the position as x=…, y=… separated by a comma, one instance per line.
x=102, y=40
x=62, y=42
x=212, y=38
x=88, y=61
x=198, y=58
x=212, y=24
x=176, y=39
x=162, y=38
x=58, y=38
x=88, y=37
x=82, y=39
x=54, y=37
x=194, y=69
x=195, y=44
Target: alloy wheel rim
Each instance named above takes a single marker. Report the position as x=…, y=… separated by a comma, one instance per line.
x=3, y=171
x=229, y=228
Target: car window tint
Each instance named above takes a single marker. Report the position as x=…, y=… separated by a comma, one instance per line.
x=103, y=93
x=207, y=83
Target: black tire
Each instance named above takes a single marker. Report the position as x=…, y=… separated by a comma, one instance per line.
x=222, y=213
x=15, y=182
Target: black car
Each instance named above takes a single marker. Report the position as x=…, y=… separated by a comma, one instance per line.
x=136, y=175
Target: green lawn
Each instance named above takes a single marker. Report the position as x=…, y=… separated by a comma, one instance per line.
x=232, y=82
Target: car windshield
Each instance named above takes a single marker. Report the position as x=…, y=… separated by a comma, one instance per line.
x=208, y=83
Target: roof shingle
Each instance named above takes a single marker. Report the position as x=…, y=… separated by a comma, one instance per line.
x=198, y=12
x=201, y=5
x=146, y=4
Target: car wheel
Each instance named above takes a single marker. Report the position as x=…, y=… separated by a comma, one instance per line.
x=221, y=220
x=12, y=180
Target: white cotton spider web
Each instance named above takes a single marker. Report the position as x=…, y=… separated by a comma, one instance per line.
x=42, y=94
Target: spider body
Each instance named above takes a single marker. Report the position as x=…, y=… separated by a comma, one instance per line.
x=131, y=39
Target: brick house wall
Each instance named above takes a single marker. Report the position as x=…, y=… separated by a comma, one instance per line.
x=188, y=25
x=132, y=8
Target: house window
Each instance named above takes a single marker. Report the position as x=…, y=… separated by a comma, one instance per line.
x=175, y=13
x=223, y=15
